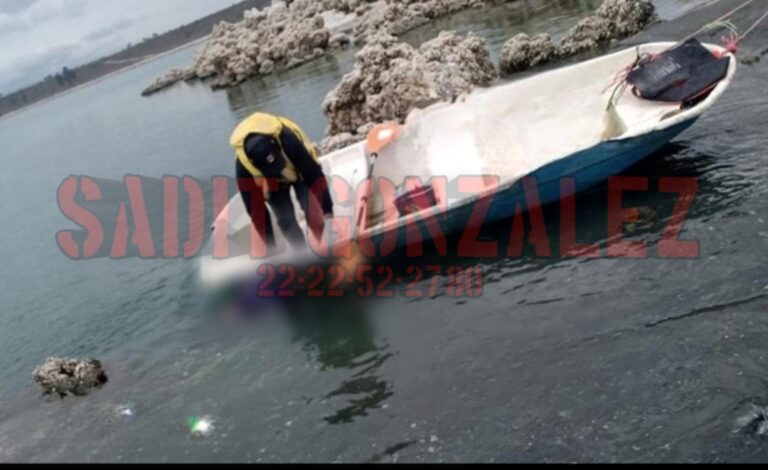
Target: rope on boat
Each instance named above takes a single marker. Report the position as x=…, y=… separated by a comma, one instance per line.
x=721, y=22
x=614, y=125
x=722, y=19
x=733, y=41
x=731, y=44
x=754, y=26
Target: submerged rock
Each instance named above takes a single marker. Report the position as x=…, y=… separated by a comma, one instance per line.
x=615, y=19
x=70, y=376
x=390, y=79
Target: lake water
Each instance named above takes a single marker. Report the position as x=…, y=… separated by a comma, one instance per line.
x=558, y=360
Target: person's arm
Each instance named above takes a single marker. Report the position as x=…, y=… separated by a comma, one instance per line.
x=309, y=169
x=247, y=185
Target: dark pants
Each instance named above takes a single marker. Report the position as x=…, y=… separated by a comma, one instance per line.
x=281, y=204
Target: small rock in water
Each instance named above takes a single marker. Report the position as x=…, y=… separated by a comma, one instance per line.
x=70, y=376
x=750, y=59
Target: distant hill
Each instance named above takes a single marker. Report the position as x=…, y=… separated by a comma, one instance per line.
x=70, y=78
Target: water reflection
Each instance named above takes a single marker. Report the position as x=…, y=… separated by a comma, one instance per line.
x=339, y=336
x=720, y=194
x=719, y=190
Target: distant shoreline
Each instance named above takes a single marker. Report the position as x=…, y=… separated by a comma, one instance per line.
x=140, y=63
x=134, y=55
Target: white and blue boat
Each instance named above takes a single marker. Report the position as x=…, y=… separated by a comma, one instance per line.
x=548, y=126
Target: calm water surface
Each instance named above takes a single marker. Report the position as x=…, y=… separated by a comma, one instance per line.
x=559, y=360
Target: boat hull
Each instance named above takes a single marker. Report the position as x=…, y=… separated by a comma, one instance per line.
x=588, y=169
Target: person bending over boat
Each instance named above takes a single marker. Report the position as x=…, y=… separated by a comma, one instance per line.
x=275, y=153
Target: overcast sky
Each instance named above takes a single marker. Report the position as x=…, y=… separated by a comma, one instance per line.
x=39, y=37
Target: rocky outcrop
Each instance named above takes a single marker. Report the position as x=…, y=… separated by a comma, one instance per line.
x=345, y=139
x=281, y=36
x=265, y=41
x=523, y=52
x=277, y=38
x=627, y=17
x=391, y=78
x=615, y=19
x=70, y=376
x=396, y=17
x=344, y=6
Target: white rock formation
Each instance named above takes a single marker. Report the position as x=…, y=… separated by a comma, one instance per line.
x=523, y=52
x=390, y=79
x=396, y=17
x=171, y=77
x=282, y=37
x=615, y=19
x=267, y=40
x=344, y=6
x=264, y=41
